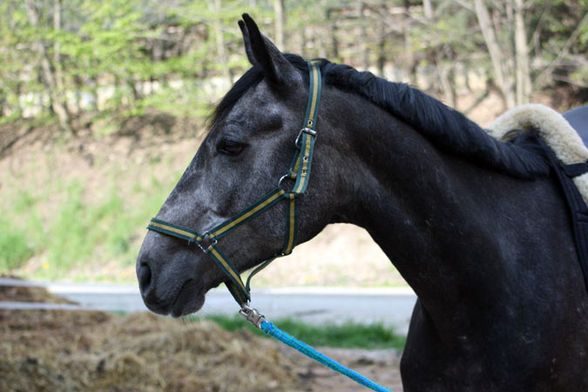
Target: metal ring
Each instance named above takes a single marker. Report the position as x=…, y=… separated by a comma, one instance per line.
x=291, y=175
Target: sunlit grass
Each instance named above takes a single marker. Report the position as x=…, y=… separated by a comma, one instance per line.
x=346, y=335
x=15, y=247
x=76, y=232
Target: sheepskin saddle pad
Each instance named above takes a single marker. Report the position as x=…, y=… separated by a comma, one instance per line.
x=554, y=129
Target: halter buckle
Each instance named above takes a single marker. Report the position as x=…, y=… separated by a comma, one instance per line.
x=306, y=130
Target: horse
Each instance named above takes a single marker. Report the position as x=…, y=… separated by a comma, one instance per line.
x=477, y=227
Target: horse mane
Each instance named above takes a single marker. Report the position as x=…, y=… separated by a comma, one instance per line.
x=445, y=127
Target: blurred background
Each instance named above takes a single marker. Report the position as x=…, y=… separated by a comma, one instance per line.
x=104, y=103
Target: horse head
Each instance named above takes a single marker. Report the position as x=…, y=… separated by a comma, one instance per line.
x=245, y=154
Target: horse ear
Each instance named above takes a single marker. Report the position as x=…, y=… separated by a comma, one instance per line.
x=262, y=52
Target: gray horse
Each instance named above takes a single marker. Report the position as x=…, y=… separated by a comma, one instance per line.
x=477, y=227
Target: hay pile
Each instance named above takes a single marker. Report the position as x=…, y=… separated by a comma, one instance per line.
x=95, y=351
x=29, y=294
x=55, y=350
x=60, y=350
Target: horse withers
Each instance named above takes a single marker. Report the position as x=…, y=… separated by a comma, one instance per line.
x=477, y=227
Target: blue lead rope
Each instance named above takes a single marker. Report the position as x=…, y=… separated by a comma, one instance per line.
x=272, y=330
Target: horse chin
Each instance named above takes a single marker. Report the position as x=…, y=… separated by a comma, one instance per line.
x=189, y=300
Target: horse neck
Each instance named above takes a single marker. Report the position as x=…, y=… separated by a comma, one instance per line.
x=446, y=224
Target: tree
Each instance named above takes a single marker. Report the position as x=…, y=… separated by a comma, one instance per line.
x=556, y=27
x=122, y=56
x=50, y=67
x=280, y=10
x=510, y=61
x=215, y=7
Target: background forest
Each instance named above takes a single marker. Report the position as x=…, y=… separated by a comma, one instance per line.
x=103, y=103
x=67, y=57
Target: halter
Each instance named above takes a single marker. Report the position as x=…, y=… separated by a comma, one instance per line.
x=299, y=172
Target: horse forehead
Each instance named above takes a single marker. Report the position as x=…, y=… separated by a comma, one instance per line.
x=258, y=102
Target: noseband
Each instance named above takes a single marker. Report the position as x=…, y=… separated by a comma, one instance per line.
x=299, y=173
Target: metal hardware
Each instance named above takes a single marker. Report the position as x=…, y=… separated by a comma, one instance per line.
x=306, y=130
x=206, y=243
x=252, y=315
x=288, y=176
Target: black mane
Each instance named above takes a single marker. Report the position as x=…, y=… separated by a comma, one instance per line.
x=446, y=127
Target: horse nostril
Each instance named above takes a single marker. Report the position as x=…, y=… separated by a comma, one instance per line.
x=144, y=275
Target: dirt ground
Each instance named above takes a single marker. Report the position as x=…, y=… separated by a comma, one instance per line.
x=57, y=350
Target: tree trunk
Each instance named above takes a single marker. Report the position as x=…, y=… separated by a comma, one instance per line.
x=523, y=78
x=78, y=85
x=319, y=43
x=3, y=101
x=382, y=50
x=410, y=62
x=49, y=74
x=135, y=92
x=332, y=23
x=59, y=82
x=216, y=5
x=302, y=33
x=499, y=61
x=280, y=10
x=363, y=48
x=428, y=9
x=94, y=91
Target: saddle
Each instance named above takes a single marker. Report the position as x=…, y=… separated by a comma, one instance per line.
x=564, y=138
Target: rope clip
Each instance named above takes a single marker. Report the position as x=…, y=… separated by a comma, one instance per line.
x=252, y=315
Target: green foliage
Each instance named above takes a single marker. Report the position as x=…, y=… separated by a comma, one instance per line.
x=104, y=52
x=15, y=247
x=188, y=101
x=77, y=232
x=107, y=55
x=346, y=335
x=66, y=237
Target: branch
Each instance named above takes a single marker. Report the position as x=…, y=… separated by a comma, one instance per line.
x=577, y=83
x=465, y=5
x=564, y=51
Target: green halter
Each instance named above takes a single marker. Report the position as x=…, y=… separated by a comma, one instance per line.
x=299, y=172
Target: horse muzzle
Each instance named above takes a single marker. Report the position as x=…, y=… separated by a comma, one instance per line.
x=169, y=286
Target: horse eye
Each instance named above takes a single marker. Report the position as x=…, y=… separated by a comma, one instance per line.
x=230, y=147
